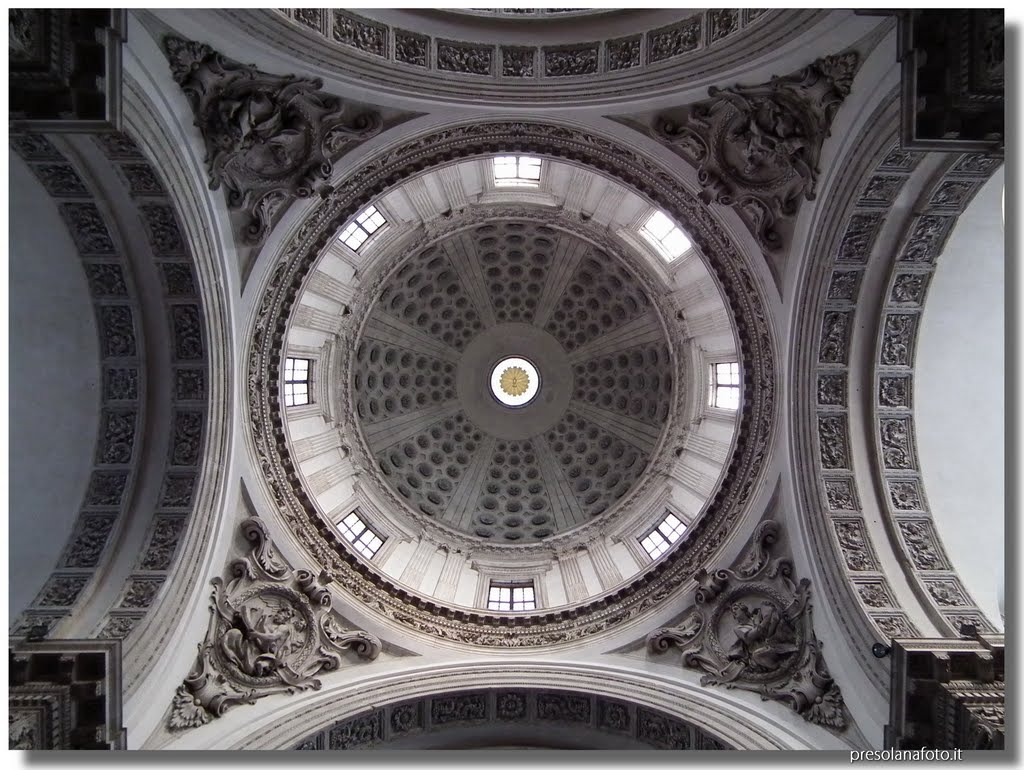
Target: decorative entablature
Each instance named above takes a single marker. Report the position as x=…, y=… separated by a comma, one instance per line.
x=439, y=56
x=271, y=631
x=642, y=49
x=953, y=81
x=757, y=148
x=948, y=693
x=751, y=629
x=359, y=578
x=65, y=694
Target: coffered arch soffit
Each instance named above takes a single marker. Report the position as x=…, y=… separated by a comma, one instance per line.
x=716, y=712
x=153, y=326
x=863, y=276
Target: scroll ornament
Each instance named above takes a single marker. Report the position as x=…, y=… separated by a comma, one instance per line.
x=751, y=629
x=271, y=631
x=757, y=148
x=269, y=138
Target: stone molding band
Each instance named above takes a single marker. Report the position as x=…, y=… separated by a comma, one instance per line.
x=459, y=57
x=367, y=49
x=710, y=711
x=840, y=541
x=184, y=181
x=527, y=708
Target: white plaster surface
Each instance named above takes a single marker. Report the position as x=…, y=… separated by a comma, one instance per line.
x=959, y=397
x=54, y=385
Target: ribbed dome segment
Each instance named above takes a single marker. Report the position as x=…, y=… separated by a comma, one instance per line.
x=600, y=297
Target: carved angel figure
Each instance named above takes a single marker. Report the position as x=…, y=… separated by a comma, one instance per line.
x=772, y=136
x=251, y=118
x=762, y=637
x=262, y=640
x=269, y=138
x=260, y=133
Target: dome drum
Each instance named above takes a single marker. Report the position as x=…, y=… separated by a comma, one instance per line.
x=652, y=458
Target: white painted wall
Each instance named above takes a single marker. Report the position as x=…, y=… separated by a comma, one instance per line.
x=54, y=385
x=959, y=384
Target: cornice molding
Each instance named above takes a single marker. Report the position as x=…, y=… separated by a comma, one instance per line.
x=401, y=62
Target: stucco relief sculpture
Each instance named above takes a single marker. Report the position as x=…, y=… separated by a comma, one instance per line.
x=751, y=629
x=757, y=147
x=269, y=138
x=271, y=631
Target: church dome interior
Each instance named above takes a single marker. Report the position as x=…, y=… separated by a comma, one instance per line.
x=505, y=378
x=512, y=260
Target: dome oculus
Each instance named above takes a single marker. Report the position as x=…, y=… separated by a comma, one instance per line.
x=514, y=381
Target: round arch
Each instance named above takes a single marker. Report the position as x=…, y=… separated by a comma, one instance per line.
x=676, y=712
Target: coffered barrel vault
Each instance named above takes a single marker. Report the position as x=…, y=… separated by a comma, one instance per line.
x=476, y=378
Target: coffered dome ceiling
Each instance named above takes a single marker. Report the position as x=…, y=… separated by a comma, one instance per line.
x=508, y=381
x=423, y=396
